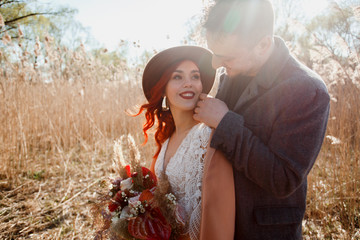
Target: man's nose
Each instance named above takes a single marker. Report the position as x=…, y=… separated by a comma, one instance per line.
x=216, y=62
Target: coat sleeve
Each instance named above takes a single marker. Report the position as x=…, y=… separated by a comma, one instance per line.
x=282, y=164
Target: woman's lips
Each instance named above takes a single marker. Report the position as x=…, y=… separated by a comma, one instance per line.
x=187, y=95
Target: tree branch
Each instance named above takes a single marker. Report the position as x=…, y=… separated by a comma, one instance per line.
x=7, y=29
x=9, y=2
x=29, y=15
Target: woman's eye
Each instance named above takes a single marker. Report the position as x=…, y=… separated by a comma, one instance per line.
x=177, y=77
x=196, y=76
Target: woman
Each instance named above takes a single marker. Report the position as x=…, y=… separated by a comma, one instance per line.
x=172, y=82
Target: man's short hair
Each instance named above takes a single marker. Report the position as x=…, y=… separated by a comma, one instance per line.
x=251, y=20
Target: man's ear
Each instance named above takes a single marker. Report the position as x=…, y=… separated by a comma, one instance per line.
x=264, y=45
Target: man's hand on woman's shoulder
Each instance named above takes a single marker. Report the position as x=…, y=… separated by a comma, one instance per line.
x=210, y=110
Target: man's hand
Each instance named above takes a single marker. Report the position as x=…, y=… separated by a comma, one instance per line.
x=210, y=110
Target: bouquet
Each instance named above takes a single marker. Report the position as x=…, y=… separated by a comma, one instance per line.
x=136, y=206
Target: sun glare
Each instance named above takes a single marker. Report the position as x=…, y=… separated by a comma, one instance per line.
x=314, y=7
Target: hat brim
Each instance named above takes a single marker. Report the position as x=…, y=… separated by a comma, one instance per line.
x=161, y=61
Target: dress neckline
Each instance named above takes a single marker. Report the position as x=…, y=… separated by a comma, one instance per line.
x=165, y=145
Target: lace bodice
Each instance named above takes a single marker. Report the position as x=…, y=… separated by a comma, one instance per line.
x=184, y=173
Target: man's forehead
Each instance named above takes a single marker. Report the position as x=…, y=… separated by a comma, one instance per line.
x=224, y=46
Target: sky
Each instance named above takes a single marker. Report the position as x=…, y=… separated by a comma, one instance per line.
x=154, y=24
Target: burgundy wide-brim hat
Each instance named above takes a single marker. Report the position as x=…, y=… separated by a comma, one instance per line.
x=164, y=59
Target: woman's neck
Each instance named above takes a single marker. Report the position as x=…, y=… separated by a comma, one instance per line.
x=184, y=121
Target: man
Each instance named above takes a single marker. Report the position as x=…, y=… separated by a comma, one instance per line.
x=269, y=115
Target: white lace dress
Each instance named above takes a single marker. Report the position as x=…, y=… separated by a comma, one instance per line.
x=184, y=173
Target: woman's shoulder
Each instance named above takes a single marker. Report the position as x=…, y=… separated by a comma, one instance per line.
x=202, y=131
x=205, y=128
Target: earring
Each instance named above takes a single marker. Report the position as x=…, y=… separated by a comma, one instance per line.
x=164, y=105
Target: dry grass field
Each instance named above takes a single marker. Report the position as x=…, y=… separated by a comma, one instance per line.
x=61, y=110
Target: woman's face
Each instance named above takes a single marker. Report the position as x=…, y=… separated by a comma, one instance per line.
x=184, y=87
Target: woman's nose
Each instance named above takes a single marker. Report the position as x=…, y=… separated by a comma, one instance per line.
x=187, y=82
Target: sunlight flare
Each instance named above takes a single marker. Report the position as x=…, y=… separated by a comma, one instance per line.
x=313, y=8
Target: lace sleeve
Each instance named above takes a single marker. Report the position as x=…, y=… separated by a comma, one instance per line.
x=184, y=173
x=195, y=194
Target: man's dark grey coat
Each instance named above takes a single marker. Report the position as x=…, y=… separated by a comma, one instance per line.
x=272, y=137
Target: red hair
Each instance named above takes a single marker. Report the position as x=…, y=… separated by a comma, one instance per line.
x=166, y=124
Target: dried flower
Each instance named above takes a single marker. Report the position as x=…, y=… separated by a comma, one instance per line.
x=126, y=184
x=132, y=203
x=356, y=11
x=20, y=32
x=6, y=38
x=2, y=23
x=37, y=47
x=125, y=146
x=171, y=198
x=49, y=39
x=334, y=140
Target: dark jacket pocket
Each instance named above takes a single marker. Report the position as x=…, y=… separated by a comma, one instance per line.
x=278, y=215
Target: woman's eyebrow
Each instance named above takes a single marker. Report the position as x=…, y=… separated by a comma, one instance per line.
x=181, y=71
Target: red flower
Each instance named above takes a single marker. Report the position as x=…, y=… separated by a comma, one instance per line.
x=116, y=202
x=149, y=178
x=146, y=195
x=113, y=206
x=151, y=225
x=128, y=171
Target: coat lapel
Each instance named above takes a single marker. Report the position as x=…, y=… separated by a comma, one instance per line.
x=264, y=79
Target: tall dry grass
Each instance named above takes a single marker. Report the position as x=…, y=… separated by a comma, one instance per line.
x=61, y=110
x=80, y=107
x=333, y=210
